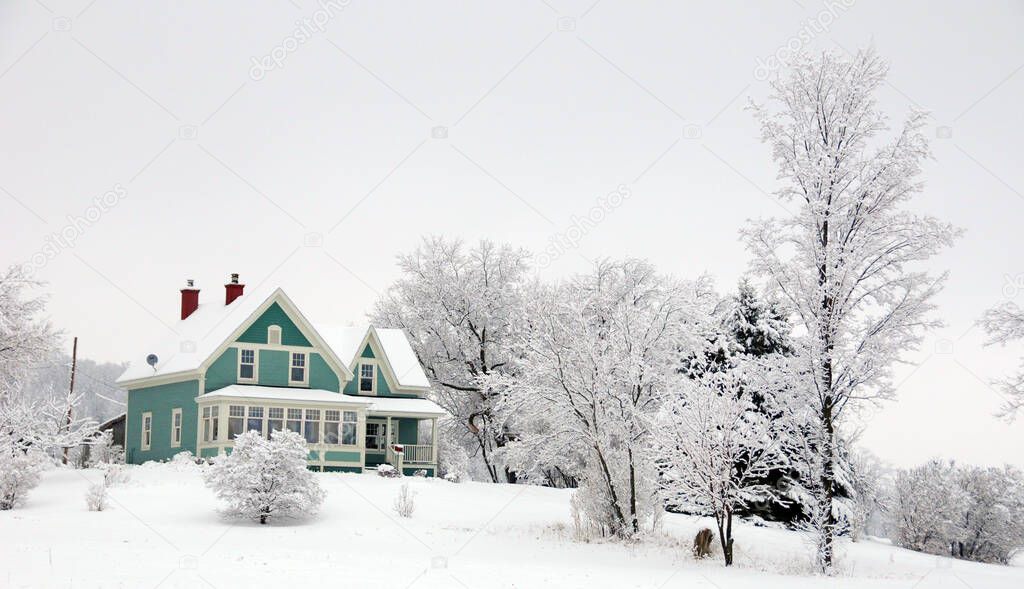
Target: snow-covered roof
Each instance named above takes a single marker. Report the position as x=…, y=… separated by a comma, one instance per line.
x=196, y=337
x=347, y=344
x=235, y=391
x=403, y=361
x=409, y=406
x=382, y=405
x=209, y=327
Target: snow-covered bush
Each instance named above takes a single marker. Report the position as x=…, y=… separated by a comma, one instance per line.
x=405, y=502
x=991, y=523
x=386, y=470
x=96, y=497
x=103, y=450
x=453, y=460
x=19, y=474
x=185, y=461
x=926, y=505
x=263, y=479
x=115, y=474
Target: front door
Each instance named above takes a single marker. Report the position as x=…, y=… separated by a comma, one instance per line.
x=377, y=435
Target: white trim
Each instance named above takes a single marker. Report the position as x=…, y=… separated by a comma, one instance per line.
x=255, y=364
x=274, y=330
x=373, y=379
x=145, y=444
x=176, y=429
x=380, y=358
x=300, y=321
x=305, y=369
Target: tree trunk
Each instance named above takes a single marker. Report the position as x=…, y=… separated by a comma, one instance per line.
x=725, y=536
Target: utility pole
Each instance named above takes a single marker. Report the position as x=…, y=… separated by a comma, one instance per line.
x=71, y=392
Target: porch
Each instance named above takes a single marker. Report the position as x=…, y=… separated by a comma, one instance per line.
x=345, y=433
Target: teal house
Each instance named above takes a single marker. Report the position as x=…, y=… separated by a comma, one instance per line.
x=358, y=395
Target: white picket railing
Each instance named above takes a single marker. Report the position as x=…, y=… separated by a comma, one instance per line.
x=415, y=453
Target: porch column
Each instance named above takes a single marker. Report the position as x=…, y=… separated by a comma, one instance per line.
x=389, y=452
x=433, y=441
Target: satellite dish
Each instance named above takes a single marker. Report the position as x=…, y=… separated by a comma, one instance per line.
x=152, y=360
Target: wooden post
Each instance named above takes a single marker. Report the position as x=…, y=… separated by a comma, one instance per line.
x=71, y=392
x=433, y=442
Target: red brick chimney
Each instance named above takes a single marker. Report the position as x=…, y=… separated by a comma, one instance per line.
x=189, y=298
x=232, y=290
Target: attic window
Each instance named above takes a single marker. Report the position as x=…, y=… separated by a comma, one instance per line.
x=366, y=374
x=274, y=335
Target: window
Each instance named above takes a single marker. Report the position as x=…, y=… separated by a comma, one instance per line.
x=332, y=417
x=374, y=436
x=236, y=421
x=255, y=422
x=176, y=428
x=366, y=374
x=274, y=335
x=295, y=420
x=247, y=364
x=210, y=423
x=275, y=420
x=348, y=428
x=147, y=430
x=298, y=369
x=312, y=426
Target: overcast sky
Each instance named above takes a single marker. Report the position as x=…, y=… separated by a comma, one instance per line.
x=306, y=144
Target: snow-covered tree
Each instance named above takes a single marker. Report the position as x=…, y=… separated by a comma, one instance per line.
x=25, y=337
x=713, y=452
x=594, y=357
x=926, y=507
x=991, y=523
x=1005, y=324
x=263, y=479
x=844, y=261
x=456, y=303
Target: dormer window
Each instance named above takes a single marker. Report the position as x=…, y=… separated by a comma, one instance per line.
x=367, y=372
x=297, y=373
x=246, y=365
x=274, y=335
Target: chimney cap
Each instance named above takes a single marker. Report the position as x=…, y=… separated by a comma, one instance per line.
x=190, y=283
x=234, y=278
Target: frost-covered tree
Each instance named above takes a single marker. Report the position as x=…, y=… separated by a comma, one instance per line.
x=713, y=452
x=845, y=260
x=991, y=523
x=25, y=337
x=594, y=357
x=926, y=507
x=263, y=479
x=456, y=304
x=1005, y=324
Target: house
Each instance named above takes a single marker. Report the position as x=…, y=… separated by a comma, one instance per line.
x=255, y=362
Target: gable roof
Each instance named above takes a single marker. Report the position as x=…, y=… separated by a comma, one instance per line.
x=212, y=327
x=394, y=346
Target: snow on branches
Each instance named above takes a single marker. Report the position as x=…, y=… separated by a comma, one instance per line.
x=844, y=261
x=456, y=305
x=263, y=479
x=714, y=452
x=1005, y=324
x=594, y=357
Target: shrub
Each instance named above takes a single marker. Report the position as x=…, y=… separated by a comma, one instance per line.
x=405, y=503
x=263, y=479
x=19, y=474
x=96, y=497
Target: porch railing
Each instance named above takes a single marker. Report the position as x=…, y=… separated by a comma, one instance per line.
x=418, y=453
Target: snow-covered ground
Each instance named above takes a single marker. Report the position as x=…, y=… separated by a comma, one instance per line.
x=162, y=529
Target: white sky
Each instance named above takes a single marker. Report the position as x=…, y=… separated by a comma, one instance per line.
x=540, y=123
